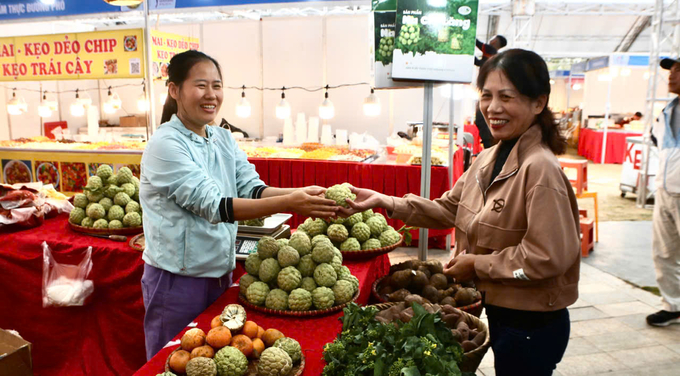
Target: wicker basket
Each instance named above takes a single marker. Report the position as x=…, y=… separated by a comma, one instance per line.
x=104, y=231
x=369, y=253
x=318, y=312
x=474, y=309
x=471, y=359
x=252, y=366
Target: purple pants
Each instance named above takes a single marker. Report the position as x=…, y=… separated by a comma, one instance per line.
x=172, y=301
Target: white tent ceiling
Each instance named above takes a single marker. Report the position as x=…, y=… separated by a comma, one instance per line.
x=559, y=28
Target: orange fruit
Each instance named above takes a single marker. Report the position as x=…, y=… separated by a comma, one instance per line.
x=178, y=361
x=216, y=322
x=219, y=337
x=270, y=336
x=250, y=329
x=243, y=343
x=260, y=332
x=258, y=347
x=192, y=339
x=203, y=351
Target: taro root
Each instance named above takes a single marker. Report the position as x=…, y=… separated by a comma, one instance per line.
x=386, y=290
x=448, y=301
x=456, y=335
x=465, y=296
x=480, y=338
x=406, y=265
x=439, y=281
x=434, y=266
x=426, y=271
x=431, y=293
x=468, y=346
x=410, y=299
x=449, y=292
x=398, y=296
x=402, y=279
x=448, y=309
x=419, y=281
x=464, y=330
x=451, y=319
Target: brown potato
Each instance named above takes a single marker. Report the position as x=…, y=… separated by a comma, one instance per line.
x=439, y=281
x=464, y=330
x=469, y=346
x=451, y=319
x=398, y=296
x=480, y=338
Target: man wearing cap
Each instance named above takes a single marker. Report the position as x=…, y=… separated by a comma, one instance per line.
x=666, y=222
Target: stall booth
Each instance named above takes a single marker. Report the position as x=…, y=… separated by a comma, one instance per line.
x=106, y=335
x=615, y=88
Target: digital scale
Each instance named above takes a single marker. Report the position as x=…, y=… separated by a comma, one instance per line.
x=248, y=236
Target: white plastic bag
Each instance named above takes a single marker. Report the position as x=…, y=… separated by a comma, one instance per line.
x=65, y=285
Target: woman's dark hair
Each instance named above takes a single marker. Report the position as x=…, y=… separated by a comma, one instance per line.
x=529, y=73
x=178, y=70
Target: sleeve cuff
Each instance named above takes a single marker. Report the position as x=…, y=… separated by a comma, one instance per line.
x=227, y=210
x=483, y=266
x=401, y=209
x=257, y=191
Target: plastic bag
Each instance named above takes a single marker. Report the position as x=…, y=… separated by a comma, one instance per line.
x=65, y=285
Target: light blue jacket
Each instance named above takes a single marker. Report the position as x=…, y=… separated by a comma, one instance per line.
x=668, y=175
x=184, y=178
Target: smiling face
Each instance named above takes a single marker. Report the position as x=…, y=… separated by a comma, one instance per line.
x=200, y=96
x=507, y=112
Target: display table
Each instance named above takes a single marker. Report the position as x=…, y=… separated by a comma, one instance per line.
x=590, y=144
x=104, y=337
x=312, y=333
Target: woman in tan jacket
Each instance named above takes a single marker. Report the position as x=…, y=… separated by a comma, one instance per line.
x=516, y=219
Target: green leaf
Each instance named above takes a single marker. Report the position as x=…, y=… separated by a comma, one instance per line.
x=410, y=371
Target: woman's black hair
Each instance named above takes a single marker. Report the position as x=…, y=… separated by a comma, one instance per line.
x=529, y=73
x=178, y=70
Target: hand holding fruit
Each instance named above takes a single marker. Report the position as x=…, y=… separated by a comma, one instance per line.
x=366, y=199
x=310, y=205
x=461, y=267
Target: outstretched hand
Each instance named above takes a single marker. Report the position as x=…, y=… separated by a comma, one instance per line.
x=366, y=199
x=310, y=202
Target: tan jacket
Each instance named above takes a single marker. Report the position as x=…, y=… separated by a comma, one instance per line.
x=524, y=227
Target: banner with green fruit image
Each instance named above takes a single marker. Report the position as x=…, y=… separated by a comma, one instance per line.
x=435, y=40
x=384, y=27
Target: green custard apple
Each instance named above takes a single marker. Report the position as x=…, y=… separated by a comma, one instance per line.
x=301, y=242
x=132, y=207
x=274, y=362
x=257, y=292
x=367, y=214
x=101, y=223
x=94, y=183
x=361, y=232
x=389, y=237
x=93, y=196
x=104, y=172
x=344, y=271
x=230, y=361
x=107, y=203
x=116, y=212
x=290, y=346
x=132, y=220
x=339, y=193
x=343, y=291
x=77, y=215
x=319, y=238
x=112, y=190
x=306, y=266
x=253, y=262
x=128, y=189
x=338, y=233
x=316, y=227
x=201, y=366
x=277, y=300
x=300, y=300
x=351, y=244
x=115, y=224
x=371, y=244
x=308, y=283
x=112, y=180
x=322, y=253
x=376, y=225
x=282, y=242
x=87, y=222
x=124, y=175
x=325, y=275
x=80, y=200
x=121, y=199
x=289, y=279
x=288, y=256
x=323, y=298
x=353, y=220
x=353, y=280
x=96, y=211
x=245, y=282
x=267, y=247
x=269, y=270
x=337, y=253
x=336, y=263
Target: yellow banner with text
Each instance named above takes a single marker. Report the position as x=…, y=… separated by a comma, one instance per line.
x=166, y=45
x=93, y=55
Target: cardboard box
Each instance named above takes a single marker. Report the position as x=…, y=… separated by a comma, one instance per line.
x=133, y=121
x=15, y=355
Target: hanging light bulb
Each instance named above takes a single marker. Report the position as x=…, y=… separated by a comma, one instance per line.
x=142, y=102
x=52, y=104
x=77, y=107
x=44, y=110
x=243, y=109
x=15, y=105
x=113, y=103
x=326, y=110
x=283, y=108
x=372, y=104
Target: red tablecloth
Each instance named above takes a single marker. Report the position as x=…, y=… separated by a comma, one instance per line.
x=394, y=180
x=590, y=145
x=104, y=337
x=312, y=333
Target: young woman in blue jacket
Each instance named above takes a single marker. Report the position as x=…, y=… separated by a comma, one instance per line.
x=195, y=184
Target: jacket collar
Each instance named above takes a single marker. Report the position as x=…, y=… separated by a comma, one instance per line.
x=526, y=141
x=177, y=124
